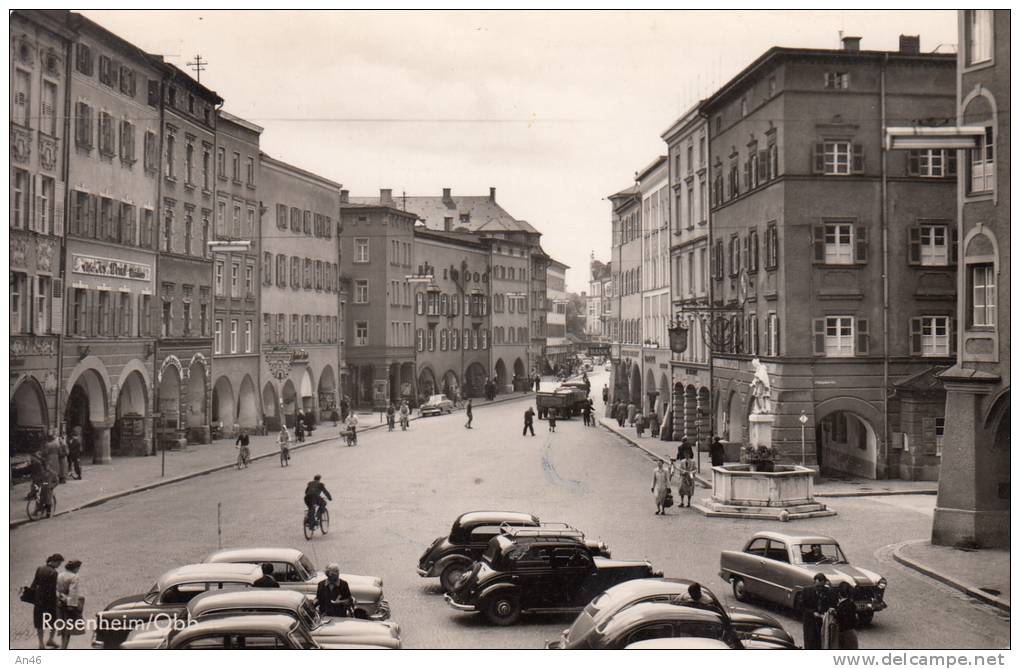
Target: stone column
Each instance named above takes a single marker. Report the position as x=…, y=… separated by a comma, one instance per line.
x=101, y=444
x=678, y=413
x=690, y=417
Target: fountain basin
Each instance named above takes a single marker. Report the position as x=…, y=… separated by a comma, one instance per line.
x=787, y=493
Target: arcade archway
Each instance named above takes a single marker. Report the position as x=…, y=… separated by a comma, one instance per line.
x=308, y=406
x=247, y=405
x=29, y=418
x=474, y=380
x=327, y=393
x=86, y=410
x=450, y=384
x=635, y=386
x=128, y=435
x=270, y=407
x=197, y=404
x=426, y=382
x=846, y=443
x=290, y=402
x=223, y=404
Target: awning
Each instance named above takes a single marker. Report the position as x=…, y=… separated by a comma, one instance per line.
x=920, y=137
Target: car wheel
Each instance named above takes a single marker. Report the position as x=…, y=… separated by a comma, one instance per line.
x=452, y=574
x=739, y=590
x=503, y=608
x=865, y=617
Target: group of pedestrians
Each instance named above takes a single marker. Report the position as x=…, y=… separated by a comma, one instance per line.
x=828, y=615
x=679, y=472
x=392, y=413
x=55, y=462
x=56, y=595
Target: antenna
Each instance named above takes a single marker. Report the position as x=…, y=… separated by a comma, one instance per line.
x=198, y=65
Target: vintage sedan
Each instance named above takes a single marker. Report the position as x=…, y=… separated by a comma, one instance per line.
x=167, y=599
x=436, y=405
x=294, y=571
x=450, y=557
x=258, y=601
x=677, y=591
x=657, y=620
x=257, y=632
x=776, y=566
x=539, y=574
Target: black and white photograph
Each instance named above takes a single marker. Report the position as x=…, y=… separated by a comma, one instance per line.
x=492, y=329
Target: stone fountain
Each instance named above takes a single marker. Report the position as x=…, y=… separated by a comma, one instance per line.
x=759, y=488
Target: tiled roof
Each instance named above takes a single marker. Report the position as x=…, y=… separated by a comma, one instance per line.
x=482, y=211
x=927, y=379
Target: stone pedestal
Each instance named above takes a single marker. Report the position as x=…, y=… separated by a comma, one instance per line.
x=761, y=429
x=784, y=494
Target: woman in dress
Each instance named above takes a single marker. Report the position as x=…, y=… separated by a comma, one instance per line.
x=685, y=473
x=69, y=600
x=660, y=487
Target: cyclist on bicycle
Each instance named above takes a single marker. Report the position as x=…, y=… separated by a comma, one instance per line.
x=405, y=413
x=314, y=492
x=284, y=443
x=242, y=445
x=44, y=480
x=352, y=428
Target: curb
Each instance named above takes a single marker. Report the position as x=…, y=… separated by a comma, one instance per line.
x=879, y=493
x=210, y=470
x=930, y=572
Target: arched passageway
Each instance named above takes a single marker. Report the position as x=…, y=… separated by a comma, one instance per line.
x=86, y=411
x=846, y=443
x=223, y=405
x=328, y=401
x=128, y=436
x=474, y=381
x=500, y=372
x=427, y=385
x=270, y=407
x=451, y=385
x=308, y=405
x=635, y=386
x=29, y=417
x=290, y=406
x=197, y=402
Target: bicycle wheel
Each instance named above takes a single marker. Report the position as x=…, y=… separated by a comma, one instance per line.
x=240, y=461
x=324, y=521
x=34, y=509
x=309, y=531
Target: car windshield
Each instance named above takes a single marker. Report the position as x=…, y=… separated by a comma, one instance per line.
x=436, y=399
x=305, y=564
x=819, y=553
x=308, y=615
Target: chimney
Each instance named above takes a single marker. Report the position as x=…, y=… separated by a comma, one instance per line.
x=345, y=196
x=492, y=193
x=910, y=44
x=851, y=44
x=386, y=197
x=447, y=197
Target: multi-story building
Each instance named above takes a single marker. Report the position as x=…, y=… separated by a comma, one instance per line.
x=510, y=261
x=452, y=331
x=817, y=228
x=974, y=495
x=557, y=346
x=236, y=313
x=40, y=52
x=300, y=286
x=538, y=304
x=688, y=159
x=627, y=248
x=656, y=310
x=596, y=323
x=610, y=305
x=376, y=247
x=111, y=246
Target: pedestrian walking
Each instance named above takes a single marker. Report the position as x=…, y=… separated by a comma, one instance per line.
x=538, y=382
x=345, y=406
x=51, y=455
x=814, y=602
x=70, y=602
x=299, y=428
x=717, y=452
x=74, y=452
x=846, y=617
x=586, y=413
x=469, y=413
x=660, y=487
x=529, y=422
x=391, y=417
x=405, y=415
x=640, y=424
x=605, y=393
x=684, y=450
x=621, y=414
x=653, y=424
x=685, y=470
x=552, y=420
x=61, y=457
x=631, y=412
x=44, y=609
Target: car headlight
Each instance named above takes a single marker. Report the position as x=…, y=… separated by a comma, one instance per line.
x=881, y=583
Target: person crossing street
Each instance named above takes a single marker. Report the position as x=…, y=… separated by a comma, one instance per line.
x=470, y=414
x=529, y=422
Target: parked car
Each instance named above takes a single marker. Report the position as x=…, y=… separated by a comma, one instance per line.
x=258, y=632
x=533, y=574
x=293, y=570
x=676, y=591
x=450, y=557
x=437, y=405
x=659, y=620
x=261, y=601
x=776, y=566
x=679, y=643
x=167, y=598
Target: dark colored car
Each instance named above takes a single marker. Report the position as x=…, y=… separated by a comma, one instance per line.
x=654, y=620
x=676, y=591
x=539, y=573
x=451, y=557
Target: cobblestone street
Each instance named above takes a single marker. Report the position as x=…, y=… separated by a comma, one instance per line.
x=395, y=492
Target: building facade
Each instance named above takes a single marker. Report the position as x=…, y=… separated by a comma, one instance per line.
x=656, y=310
x=40, y=51
x=236, y=292
x=452, y=315
x=510, y=285
x=974, y=483
x=626, y=350
x=809, y=219
x=691, y=378
x=557, y=346
x=378, y=257
x=538, y=304
x=301, y=336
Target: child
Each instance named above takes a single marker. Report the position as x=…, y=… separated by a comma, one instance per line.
x=552, y=420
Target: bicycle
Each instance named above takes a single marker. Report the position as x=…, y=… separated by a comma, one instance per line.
x=35, y=507
x=243, y=458
x=320, y=520
x=351, y=438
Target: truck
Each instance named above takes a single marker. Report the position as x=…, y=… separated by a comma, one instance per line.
x=567, y=400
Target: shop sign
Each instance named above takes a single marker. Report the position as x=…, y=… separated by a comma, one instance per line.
x=107, y=267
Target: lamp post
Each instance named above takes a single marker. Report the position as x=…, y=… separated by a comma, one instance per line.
x=803, y=447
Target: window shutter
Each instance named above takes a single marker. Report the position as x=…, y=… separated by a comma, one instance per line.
x=913, y=164
x=57, y=307
x=819, y=336
x=90, y=313
x=915, y=336
x=954, y=245
x=129, y=316
x=863, y=340
x=58, y=208
x=914, y=245
x=93, y=224
x=776, y=331
x=36, y=199
x=858, y=166
x=861, y=245
x=952, y=336
x=951, y=162
x=763, y=166
x=747, y=252
x=818, y=158
x=819, y=243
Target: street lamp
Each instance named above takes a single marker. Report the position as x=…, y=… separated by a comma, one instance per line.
x=803, y=448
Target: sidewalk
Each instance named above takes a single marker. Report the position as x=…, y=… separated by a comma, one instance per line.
x=129, y=475
x=655, y=447
x=982, y=574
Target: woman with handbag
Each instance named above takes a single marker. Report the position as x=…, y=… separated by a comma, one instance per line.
x=660, y=487
x=685, y=470
x=70, y=602
x=43, y=593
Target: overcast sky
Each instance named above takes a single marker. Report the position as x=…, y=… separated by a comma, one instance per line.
x=554, y=109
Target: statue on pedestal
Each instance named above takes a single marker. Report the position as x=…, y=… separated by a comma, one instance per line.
x=761, y=389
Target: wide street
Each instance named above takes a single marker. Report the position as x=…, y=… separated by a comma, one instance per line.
x=396, y=492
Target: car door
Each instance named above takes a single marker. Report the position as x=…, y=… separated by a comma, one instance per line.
x=532, y=574
x=755, y=566
x=573, y=572
x=776, y=576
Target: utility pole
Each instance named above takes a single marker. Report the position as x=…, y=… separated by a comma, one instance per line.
x=198, y=66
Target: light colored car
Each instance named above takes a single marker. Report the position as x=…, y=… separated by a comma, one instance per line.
x=436, y=405
x=294, y=571
x=261, y=601
x=777, y=566
x=257, y=632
